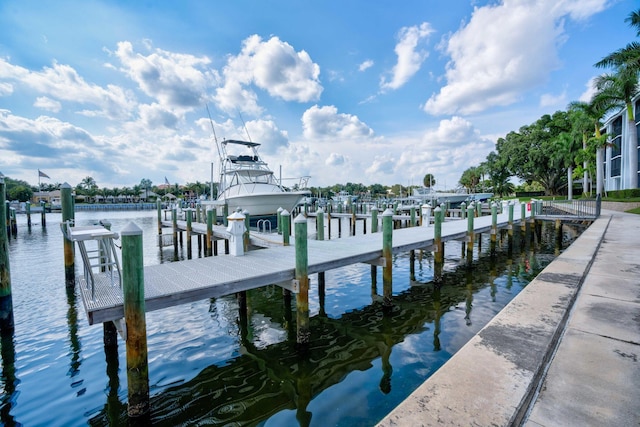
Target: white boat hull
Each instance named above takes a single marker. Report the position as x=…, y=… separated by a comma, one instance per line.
x=262, y=204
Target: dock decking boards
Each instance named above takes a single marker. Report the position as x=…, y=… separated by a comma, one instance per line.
x=170, y=284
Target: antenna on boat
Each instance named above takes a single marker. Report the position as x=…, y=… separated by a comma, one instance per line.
x=244, y=125
x=215, y=138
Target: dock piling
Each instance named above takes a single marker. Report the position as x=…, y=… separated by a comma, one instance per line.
x=134, y=314
x=43, y=214
x=285, y=218
x=68, y=219
x=320, y=224
x=302, y=276
x=209, y=244
x=470, y=233
x=387, y=245
x=6, y=302
x=374, y=219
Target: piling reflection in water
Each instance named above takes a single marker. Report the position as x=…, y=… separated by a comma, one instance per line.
x=277, y=380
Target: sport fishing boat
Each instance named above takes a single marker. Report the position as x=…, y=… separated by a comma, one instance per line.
x=246, y=182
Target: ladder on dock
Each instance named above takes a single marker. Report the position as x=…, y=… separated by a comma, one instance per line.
x=98, y=252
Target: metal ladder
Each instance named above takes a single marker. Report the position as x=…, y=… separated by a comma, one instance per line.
x=98, y=252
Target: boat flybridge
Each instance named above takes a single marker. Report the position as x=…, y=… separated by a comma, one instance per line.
x=246, y=182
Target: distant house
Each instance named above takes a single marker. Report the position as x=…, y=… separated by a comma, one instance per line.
x=50, y=197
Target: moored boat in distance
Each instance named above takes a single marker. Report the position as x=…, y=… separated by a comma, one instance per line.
x=246, y=182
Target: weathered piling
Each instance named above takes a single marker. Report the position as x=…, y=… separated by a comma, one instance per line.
x=7, y=216
x=189, y=217
x=412, y=215
x=279, y=219
x=134, y=315
x=437, y=235
x=523, y=217
x=174, y=224
x=28, y=211
x=43, y=214
x=374, y=219
x=159, y=207
x=68, y=219
x=320, y=224
x=209, y=244
x=387, y=246
x=494, y=227
x=470, y=233
x=285, y=221
x=302, y=276
x=6, y=303
x=246, y=236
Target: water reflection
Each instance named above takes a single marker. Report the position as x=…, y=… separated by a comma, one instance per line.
x=263, y=380
x=8, y=381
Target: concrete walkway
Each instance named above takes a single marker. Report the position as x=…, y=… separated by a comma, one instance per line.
x=564, y=352
x=594, y=377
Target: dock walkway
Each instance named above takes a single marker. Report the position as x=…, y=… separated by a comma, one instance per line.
x=171, y=284
x=564, y=352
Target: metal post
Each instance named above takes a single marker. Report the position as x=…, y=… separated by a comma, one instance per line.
x=134, y=314
x=302, y=276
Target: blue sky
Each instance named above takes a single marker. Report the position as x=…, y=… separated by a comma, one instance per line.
x=343, y=91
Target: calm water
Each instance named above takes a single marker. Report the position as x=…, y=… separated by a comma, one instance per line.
x=207, y=365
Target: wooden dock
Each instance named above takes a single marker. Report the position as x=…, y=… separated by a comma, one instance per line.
x=171, y=284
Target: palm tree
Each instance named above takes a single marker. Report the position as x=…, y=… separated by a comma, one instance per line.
x=619, y=90
x=628, y=56
x=429, y=180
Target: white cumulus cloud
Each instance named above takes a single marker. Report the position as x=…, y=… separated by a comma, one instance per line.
x=326, y=122
x=505, y=49
x=273, y=66
x=410, y=58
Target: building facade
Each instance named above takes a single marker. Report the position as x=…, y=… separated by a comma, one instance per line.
x=617, y=165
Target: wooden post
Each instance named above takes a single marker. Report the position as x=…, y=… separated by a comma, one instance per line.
x=159, y=207
x=189, y=214
x=479, y=208
x=302, y=276
x=426, y=215
x=470, y=233
x=329, y=221
x=285, y=221
x=387, y=246
x=6, y=303
x=437, y=238
x=134, y=315
x=174, y=223
x=494, y=227
x=322, y=293
x=463, y=210
x=510, y=228
x=523, y=217
x=374, y=219
x=225, y=214
x=209, y=244
x=28, y=209
x=320, y=224
x=246, y=238
x=43, y=214
x=68, y=218
x=7, y=216
x=413, y=216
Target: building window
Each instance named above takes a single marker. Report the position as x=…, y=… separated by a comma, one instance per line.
x=615, y=166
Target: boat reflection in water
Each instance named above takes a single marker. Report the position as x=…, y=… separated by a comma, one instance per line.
x=361, y=362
